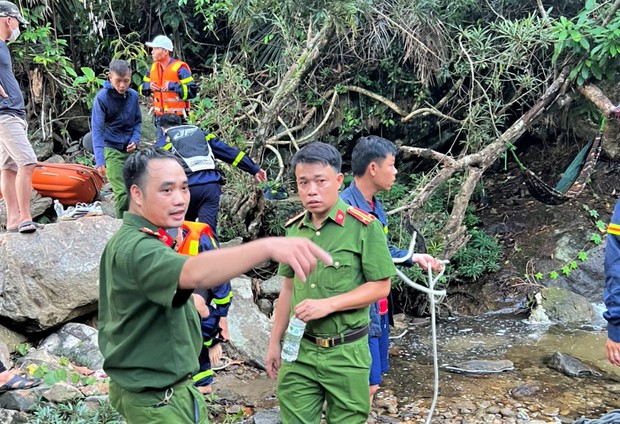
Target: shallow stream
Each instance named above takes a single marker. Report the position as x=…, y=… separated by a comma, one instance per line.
x=544, y=393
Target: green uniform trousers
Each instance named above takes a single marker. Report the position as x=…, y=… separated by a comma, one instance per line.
x=179, y=404
x=338, y=375
x=114, y=162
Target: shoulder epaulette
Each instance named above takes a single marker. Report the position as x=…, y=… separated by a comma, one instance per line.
x=160, y=234
x=294, y=219
x=364, y=217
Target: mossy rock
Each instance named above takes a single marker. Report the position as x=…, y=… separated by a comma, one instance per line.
x=565, y=306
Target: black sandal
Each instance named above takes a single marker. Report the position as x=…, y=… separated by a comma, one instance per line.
x=19, y=383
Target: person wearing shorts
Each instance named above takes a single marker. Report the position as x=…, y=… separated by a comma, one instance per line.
x=17, y=157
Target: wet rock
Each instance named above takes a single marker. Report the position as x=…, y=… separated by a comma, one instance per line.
x=62, y=392
x=480, y=366
x=538, y=313
x=78, y=342
x=525, y=390
x=565, y=306
x=571, y=366
x=585, y=280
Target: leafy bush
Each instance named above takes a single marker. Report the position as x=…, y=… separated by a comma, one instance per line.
x=75, y=413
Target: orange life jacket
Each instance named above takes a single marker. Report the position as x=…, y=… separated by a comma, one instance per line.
x=168, y=101
x=191, y=237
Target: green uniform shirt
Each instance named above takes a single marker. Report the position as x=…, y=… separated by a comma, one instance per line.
x=148, y=341
x=360, y=254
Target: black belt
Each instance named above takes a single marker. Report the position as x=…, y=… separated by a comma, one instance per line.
x=348, y=337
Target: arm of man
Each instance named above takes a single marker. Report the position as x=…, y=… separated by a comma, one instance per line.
x=611, y=294
x=186, y=88
x=136, y=133
x=145, y=88
x=235, y=157
x=209, y=269
x=280, y=324
x=97, y=123
x=360, y=297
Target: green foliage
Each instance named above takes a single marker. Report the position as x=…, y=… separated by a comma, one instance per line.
x=22, y=349
x=277, y=213
x=594, y=46
x=582, y=255
x=65, y=373
x=481, y=254
x=91, y=82
x=131, y=48
x=75, y=413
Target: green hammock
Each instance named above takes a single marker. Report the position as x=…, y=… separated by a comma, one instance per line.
x=573, y=180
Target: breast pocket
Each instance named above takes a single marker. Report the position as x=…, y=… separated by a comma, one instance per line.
x=338, y=277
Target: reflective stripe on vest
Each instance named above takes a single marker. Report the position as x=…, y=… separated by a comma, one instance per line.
x=191, y=237
x=169, y=101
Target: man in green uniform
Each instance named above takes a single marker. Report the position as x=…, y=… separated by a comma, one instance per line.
x=334, y=361
x=149, y=330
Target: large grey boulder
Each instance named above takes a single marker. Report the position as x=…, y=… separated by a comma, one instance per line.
x=588, y=279
x=51, y=276
x=249, y=327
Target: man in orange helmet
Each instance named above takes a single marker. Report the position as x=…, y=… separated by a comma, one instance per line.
x=169, y=82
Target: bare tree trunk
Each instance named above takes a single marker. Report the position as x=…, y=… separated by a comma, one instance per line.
x=306, y=60
x=474, y=165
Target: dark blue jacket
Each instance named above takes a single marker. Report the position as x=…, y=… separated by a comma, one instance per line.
x=116, y=120
x=611, y=295
x=217, y=298
x=352, y=196
x=225, y=153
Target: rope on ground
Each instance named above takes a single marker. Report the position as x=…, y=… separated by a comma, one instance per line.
x=612, y=417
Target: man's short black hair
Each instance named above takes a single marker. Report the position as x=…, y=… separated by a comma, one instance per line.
x=318, y=152
x=120, y=67
x=134, y=170
x=168, y=120
x=370, y=149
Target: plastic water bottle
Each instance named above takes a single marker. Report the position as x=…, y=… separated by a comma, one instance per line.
x=292, y=339
x=60, y=211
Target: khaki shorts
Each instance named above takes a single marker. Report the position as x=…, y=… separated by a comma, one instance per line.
x=15, y=149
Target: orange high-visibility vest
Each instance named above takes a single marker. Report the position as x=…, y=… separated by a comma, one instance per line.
x=191, y=240
x=168, y=101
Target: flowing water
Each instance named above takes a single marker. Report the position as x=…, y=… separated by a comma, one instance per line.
x=531, y=391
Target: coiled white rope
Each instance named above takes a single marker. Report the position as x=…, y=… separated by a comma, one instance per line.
x=431, y=292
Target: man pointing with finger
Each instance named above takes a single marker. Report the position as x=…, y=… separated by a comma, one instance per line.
x=149, y=330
